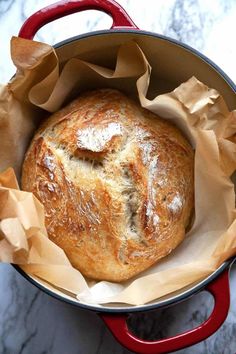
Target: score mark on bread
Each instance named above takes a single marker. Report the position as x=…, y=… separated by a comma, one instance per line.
x=116, y=182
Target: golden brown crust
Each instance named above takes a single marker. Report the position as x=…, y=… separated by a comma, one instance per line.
x=116, y=182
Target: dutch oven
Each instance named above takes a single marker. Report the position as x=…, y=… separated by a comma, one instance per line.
x=189, y=62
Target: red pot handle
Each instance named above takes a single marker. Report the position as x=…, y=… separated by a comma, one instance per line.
x=219, y=288
x=66, y=7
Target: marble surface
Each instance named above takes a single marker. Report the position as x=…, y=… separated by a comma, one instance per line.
x=31, y=322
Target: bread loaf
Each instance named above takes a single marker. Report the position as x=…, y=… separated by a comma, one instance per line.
x=116, y=182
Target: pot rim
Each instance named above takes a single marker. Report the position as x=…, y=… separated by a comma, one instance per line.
x=156, y=35
x=195, y=288
x=132, y=308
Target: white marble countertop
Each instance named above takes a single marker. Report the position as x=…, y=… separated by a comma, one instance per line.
x=31, y=322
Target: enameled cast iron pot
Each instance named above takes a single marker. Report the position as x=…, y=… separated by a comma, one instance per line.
x=176, y=63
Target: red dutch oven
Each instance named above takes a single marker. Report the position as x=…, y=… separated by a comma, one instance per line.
x=176, y=63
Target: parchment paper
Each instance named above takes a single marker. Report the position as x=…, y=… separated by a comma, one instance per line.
x=40, y=87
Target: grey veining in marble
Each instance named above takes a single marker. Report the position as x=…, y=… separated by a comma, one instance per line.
x=31, y=322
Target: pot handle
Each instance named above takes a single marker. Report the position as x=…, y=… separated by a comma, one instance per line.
x=219, y=288
x=66, y=7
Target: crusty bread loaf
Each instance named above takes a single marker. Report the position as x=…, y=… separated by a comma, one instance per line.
x=116, y=182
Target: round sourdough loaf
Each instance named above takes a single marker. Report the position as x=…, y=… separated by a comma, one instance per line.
x=116, y=183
